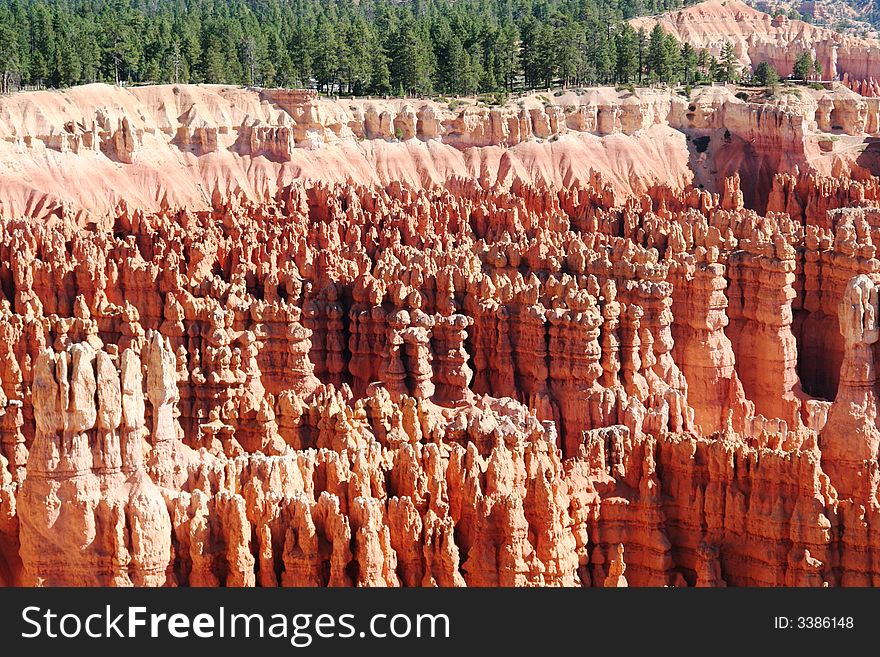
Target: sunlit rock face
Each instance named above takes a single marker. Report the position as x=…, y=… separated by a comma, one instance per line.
x=759, y=37
x=521, y=346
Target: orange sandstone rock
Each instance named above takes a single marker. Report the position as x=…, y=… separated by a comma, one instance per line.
x=512, y=379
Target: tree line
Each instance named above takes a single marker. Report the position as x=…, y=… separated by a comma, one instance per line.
x=398, y=47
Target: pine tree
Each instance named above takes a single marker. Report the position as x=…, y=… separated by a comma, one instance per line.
x=643, y=52
x=411, y=67
x=689, y=63
x=157, y=46
x=803, y=66
x=357, y=69
x=673, y=57
x=538, y=57
x=505, y=49
x=279, y=56
x=544, y=66
x=301, y=52
x=10, y=70
x=214, y=65
x=68, y=64
x=488, y=81
x=658, y=61
x=250, y=57
x=627, y=54
x=86, y=44
x=449, y=53
x=176, y=61
x=569, y=56
x=43, y=46
x=704, y=65
x=766, y=76
x=729, y=64
x=121, y=40
x=372, y=46
x=186, y=68
x=469, y=75
x=380, y=74
x=602, y=54
x=325, y=55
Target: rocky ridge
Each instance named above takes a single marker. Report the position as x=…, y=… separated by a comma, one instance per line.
x=84, y=154
x=759, y=37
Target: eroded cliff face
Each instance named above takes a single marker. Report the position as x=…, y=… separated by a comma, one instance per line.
x=389, y=382
x=87, y=153
x=759, y=37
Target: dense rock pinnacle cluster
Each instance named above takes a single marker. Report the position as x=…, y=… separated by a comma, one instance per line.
x=517, y=380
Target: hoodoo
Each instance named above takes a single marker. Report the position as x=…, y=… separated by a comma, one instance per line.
x=258, y=337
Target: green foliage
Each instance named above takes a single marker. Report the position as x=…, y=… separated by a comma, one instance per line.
x=727, y=69
x=10, y=67
x=494, y=98
x=378, y=47
x=817, y=86
x=412, y=61
x=766, y=76
x=803, y=66
x=659, y=64
x=627, y=65
x=688, y=67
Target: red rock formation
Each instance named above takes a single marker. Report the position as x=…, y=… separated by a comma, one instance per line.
x=217, y=145
x=507, y=380
x=758, y=37
x=89, y=514
x=851, y=437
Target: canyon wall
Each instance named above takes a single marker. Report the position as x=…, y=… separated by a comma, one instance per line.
x=540, y=368
x=758, y=37
x=87, y=153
